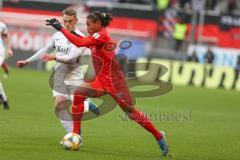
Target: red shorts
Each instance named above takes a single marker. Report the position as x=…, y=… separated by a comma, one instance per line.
x=119, y=92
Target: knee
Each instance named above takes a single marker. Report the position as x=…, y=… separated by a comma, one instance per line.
x=61, y=105
x=126, y=106
x=129, y=109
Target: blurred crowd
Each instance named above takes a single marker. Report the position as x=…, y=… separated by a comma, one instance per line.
x=173, y=28
x=208, y=57
x=214, y=6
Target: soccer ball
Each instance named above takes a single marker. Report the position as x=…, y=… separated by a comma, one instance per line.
x=71, y=141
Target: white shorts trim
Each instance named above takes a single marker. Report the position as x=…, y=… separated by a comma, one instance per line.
x=56, y=94
x=70, y=97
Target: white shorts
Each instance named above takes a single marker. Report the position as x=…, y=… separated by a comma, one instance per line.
x=61, y=89
x=70, y=97
x=65, y=82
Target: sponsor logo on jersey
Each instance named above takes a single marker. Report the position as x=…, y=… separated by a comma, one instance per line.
x=96, y=35
x=62, y=49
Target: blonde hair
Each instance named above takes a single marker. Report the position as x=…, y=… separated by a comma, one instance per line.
x=70, y=12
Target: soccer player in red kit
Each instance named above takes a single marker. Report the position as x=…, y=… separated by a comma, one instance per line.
x=110, y=79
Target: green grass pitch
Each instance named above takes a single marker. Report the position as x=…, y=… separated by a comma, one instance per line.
x=205, y=125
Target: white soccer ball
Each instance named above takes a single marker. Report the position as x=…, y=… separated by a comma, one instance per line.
x=72, y=141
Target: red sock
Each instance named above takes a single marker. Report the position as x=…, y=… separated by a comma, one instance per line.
x=5, y=67
x=77, y=111
x=143, y=120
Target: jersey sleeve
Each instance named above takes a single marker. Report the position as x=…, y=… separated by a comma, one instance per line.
x=79, y=41
x=99, y=38
x=47, y=49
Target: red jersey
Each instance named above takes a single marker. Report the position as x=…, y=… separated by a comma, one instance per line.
x=106, y=66
x=105, y=63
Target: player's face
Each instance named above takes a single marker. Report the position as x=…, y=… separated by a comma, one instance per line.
x=93, y=27
x=69, y=22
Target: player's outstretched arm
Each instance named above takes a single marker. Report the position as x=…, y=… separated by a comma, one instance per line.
x=60, y=59
x=76, y=40
x=68, y=58
x=48, y=57
x=47, y=49
x=21, y=63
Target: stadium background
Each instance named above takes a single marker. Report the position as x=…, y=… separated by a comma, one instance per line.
x=205, y=91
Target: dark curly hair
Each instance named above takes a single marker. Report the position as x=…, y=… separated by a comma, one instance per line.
x=104, y=18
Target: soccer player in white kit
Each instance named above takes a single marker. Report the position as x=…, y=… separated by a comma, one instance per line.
x=4, y=39
x=68, y=72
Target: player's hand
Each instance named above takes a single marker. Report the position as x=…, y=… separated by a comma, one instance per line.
x=10, y=53
x=54, y=23
x=21, y=64
x=48, y=57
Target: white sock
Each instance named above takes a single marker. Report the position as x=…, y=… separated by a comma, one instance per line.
x=2, y=92
x=66, y=119
x=86, y=105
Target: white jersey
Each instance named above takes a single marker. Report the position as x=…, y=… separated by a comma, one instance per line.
x=65, y=51
x=3, y=31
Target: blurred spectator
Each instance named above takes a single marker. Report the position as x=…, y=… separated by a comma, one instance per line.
x=162, y=4
x=106, y=0
x=211, y=4
x=179, y=34
x=209, y=56
x=173, y=3
x=185, y=3
x=237, y=68
x=137, y=1
x=169, y=22
x=193, y=57
x=237, y=71
x=232, y=5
